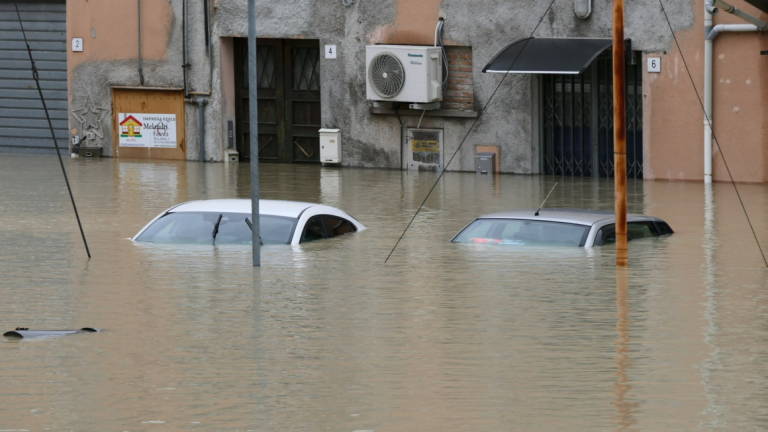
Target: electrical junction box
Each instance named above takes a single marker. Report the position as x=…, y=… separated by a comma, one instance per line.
x=330, y=146
x=485, y=163
x=423, y=149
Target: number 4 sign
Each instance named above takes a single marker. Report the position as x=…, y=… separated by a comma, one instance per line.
x=330, y=51
x=654, y=64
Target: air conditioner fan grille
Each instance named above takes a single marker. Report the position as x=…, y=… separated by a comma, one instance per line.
x=387, y=75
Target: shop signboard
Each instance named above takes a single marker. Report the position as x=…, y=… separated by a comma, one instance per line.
x=147, y=130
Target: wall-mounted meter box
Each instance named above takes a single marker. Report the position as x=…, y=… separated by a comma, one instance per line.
x=330, y=146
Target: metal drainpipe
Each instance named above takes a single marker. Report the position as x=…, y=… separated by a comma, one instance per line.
x=708, y=52
x=201, y=102
x=184, y=64
x=582, y=8
x=710, y=34
x=138, y=36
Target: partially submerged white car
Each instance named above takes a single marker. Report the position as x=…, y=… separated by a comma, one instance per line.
x=557, y=227
x=228, y=221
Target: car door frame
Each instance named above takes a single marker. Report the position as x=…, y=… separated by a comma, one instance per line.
x=317, y=210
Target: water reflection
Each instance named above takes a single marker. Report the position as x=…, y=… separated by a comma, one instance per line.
x=624, y=406
x=325, y=337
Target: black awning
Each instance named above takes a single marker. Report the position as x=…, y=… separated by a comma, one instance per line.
x=760, y=4
x=547, y=56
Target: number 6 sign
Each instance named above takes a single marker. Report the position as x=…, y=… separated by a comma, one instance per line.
x=654, y=64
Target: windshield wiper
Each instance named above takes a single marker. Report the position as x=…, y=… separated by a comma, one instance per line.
x=216, y=228
x=250, y=225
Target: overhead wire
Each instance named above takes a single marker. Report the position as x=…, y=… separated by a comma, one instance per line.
x=36, y=77
x=714, y=137
x=469, y=131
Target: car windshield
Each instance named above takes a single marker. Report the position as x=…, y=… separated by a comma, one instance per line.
x=523, y=232
x=199, y=227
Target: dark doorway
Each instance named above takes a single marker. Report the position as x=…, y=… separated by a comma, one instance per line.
x=577, y=120
x=289, y=99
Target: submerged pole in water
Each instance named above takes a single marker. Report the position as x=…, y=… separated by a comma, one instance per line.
x=623, y=383
x=619, y=135
x=36, y=77
x=253, y=105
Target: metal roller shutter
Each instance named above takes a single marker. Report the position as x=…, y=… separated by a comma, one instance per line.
x=22, y=119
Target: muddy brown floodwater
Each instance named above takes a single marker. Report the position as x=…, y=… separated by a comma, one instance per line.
x=326, y=337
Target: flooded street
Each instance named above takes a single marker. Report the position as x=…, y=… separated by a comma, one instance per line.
x=326, y=337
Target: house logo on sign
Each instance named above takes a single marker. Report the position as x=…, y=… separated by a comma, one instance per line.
x=130, y=127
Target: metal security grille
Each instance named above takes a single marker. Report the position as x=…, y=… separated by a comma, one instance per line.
x=577, y=120
x=22, y=119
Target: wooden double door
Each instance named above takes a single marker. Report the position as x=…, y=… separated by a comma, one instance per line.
x=289, y=99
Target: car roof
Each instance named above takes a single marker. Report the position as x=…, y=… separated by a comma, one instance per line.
x=574, y=216
x=269, y=207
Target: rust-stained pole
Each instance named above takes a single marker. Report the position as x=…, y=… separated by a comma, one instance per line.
x=619, y=135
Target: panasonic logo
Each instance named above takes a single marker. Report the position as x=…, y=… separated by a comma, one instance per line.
x=415, y=55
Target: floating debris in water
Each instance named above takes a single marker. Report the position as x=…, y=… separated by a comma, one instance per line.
x=25, y=332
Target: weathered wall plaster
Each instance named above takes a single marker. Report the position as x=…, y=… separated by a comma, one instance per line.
x=674, y=121
x=485, y=25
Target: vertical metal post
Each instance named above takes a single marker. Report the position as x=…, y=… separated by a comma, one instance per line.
x=708, y=56
x=595, y=118
x=619, y=134
x=253, y=105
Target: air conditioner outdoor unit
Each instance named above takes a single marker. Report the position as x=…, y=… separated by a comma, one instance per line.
x=403, y=73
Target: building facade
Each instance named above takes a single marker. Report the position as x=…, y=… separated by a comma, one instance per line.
x=179, y=67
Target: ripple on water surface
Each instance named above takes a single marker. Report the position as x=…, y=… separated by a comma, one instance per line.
x=444, y=337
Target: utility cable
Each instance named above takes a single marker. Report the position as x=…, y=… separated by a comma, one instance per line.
x=36, y=77
x=714, y=137
x=418, y=126
x=469, y=131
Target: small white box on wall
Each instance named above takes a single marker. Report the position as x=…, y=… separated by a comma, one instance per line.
x=330, y=146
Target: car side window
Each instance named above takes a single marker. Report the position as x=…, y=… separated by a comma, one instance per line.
x=337, y=226
x=313, y=230
x=635, y=230
x=662, y=228
x=606, y=235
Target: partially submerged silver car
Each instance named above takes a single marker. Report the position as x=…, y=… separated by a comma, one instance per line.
x=557, y=227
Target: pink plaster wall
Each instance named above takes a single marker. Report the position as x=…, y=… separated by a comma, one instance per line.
x=227, y=72
x=674, y=122
x=409, y=27
x=109, y=29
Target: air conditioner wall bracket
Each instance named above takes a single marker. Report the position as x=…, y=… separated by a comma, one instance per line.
x=425, y=106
